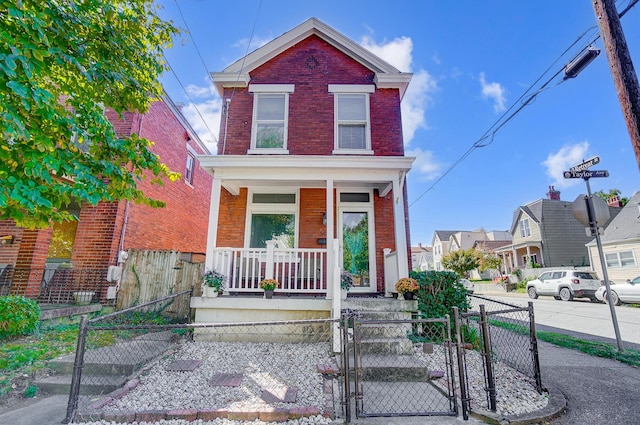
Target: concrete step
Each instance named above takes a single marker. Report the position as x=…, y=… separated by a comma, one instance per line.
x=386, y=346
x=395, y=368
x=384, y=330
x=379, y=304
x=91, y=384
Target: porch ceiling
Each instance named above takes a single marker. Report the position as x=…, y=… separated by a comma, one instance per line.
x=509, y=248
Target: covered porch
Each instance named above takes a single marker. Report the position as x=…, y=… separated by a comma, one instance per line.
x=520, y=255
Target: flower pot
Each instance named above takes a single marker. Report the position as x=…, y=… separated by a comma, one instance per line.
x=208, y=291
x=409, y=296
x=268, y=293
x=83, y=297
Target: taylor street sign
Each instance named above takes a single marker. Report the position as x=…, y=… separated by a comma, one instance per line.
x=586, y=164
x=585, y=174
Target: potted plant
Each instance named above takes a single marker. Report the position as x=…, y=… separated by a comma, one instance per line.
x=268, y=285
x=346, y=282
x=407, y=286
x=212, y=283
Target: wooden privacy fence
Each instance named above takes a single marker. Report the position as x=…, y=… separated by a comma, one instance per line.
x=150, y=275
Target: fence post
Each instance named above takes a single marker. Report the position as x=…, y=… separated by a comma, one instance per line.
x=346, y=401
x=534, y=349
x=461, y=366
x=486, y=354
x=74, y=392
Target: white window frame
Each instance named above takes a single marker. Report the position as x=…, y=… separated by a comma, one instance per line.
x=258, y=89
x=525, y=228
x=352, y=89
x=264, y=208
x=190, y=166
x=618, y=261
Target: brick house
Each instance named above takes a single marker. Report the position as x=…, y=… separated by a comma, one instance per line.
x=85, y=248
x=309, y=179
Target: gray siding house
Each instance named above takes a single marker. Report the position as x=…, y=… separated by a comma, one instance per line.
x=546, y=234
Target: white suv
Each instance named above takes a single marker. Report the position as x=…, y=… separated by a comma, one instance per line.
x=564, y=285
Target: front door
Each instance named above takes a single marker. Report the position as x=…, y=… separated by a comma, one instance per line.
x=356, y=233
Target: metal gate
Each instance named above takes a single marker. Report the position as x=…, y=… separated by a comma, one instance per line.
x=400, y=367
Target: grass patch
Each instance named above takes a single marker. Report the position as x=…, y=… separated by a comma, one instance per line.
x=599, y=349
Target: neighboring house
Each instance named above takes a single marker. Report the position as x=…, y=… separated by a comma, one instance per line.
x=447, y=241
x=546, y=234
x=620, y=244
x=309, y=178
x=85, y=248
x=440, y=243
x=421, y=258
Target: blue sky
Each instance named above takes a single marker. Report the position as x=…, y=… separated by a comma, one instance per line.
x=472, y=62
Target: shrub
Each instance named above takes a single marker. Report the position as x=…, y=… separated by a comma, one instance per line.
x=18, y=316
x=438, y=292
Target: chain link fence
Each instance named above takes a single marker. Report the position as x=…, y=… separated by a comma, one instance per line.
x=401, y=367
x=125, y=371
x=504, y=338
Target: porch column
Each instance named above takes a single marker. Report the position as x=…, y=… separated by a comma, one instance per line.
x=400, y=229
x=212, y=230
x=528, y=254
x=330, y=242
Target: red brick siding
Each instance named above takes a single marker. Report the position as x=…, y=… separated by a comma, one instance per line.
x=311, y=106
x=231, y=218
x=313, y=205
x=96, y=241
x=385, y=233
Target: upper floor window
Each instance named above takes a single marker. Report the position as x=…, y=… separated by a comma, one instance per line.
x=189, y=168
x=352, y=126
x=525, y=230
x=270, y=117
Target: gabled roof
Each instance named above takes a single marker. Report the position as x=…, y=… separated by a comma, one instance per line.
x=443, y=235
x=237, y=74
x=533, y=210
x=625, y=226
x=491, y=245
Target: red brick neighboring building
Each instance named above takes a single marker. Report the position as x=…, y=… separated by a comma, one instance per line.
x=93, y=242
x=310, y=171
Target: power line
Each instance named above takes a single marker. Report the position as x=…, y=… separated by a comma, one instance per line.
x=502, y=121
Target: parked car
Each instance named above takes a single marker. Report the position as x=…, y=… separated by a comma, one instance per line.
x=564, y=285
x=628, y=292
x=468, y=285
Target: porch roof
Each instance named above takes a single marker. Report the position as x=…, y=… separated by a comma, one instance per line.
x=516, y=246
x=237, y=171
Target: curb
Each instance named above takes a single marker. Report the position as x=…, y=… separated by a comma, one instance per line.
x=556, y=407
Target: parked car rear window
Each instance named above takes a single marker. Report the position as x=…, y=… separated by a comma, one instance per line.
x=584, y=275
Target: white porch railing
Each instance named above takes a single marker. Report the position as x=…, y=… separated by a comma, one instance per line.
x=297, y=270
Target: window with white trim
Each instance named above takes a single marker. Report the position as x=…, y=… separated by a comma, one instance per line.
x=189, y=168
x=272, y=216
x=620, y=259
x=525, y=230
x=352, y=126
x=270, y=117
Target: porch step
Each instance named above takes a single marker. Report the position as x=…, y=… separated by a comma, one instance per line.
x=91, y=384
x=384, y=330
x=380, y=304
x=387, y=346
x=389, y=368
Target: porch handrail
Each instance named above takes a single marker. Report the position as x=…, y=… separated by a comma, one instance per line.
x=299, y=270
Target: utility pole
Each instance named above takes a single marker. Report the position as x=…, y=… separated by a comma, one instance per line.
x=622, y=71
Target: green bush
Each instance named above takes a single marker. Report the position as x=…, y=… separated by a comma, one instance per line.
x=18, y=316
x=439, y=292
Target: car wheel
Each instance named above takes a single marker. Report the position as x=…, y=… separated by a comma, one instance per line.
x=565, y=294
x=532, y=292
x=615, y=299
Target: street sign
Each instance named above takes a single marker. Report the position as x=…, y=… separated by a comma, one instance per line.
x=600, y=212
x=585, y=174
x=586, y=164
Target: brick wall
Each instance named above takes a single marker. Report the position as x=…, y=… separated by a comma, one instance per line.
x=231, y=218
x=311, y=106
x=385, y=232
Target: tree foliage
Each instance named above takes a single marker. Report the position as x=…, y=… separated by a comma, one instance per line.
x=461, y=261
x=612, y=192
x=487, y=260
x=61, y=64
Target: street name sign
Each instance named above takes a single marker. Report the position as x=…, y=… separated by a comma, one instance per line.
x=585, y=174
x=586, y=164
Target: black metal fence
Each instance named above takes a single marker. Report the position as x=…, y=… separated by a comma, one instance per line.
x=56, y=286
x=504, y=335
x=129, y=367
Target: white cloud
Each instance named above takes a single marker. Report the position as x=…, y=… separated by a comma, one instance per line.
x=564, y=159
x=209, y=110
x=199, y=91
x=494, y=91
x=398, y=52
x=256, y=43
x=427, y=167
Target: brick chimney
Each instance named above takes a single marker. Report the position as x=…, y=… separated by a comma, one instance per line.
x=614, y=202
x=553, y=194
